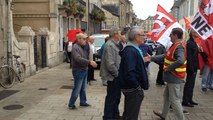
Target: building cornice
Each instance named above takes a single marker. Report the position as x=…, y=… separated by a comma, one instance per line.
x=51, y=15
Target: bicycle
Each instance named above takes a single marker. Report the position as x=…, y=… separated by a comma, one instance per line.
x=9, y=74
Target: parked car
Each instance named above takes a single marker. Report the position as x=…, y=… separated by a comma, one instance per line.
x=98, y=42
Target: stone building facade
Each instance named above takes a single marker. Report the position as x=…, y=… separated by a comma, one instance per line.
x=3, y=28
x=187, y=8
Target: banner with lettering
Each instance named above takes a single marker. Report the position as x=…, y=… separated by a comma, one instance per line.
x=203, y=20
x=163, y=25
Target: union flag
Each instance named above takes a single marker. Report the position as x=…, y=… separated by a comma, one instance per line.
x=163, y=25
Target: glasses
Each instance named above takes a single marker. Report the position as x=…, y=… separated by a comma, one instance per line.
x=141, y=35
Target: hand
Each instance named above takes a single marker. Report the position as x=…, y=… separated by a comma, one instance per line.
x=147, y=58
x=93, y=64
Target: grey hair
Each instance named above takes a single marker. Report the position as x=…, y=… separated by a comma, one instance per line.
x=114, y=31
x=134, y=31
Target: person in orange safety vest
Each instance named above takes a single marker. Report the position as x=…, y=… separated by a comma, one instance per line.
x=174, y=74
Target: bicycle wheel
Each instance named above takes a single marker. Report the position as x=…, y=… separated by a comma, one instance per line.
x=21, y=72
x=7, y=77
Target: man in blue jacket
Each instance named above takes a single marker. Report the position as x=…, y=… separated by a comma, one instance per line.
x=133, y=75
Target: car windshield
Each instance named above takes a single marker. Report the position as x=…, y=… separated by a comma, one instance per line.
x=99, y=41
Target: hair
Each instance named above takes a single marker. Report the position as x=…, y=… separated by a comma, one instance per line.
x=123, y=33
x=178, y=32
x=80, y=36
x=91, y=37
x=114, y=31
x=134, y=31
x=106, y=39
x=83, y=30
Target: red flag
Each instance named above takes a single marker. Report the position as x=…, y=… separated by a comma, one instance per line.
x=206, y=9
x=203, y=20
x=149, y=34
x=72, y=34
x=163, y=25
x=187, y=23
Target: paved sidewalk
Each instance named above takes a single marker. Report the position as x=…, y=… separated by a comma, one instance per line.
x=45, y=96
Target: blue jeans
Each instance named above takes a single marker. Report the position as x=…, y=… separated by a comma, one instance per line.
x=80, y=81
x=207, y=77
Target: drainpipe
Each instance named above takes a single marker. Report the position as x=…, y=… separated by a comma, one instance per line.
x=9, y=35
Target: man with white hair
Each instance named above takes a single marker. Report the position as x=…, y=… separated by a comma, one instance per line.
x=92, y=51
x=80, y=64
x=133, y=78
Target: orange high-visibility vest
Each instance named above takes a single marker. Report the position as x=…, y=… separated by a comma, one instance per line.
x=180, y=72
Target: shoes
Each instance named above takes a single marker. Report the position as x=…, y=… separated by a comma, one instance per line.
x=85, y=105
x=72, y=107
x=93, y=80
x=211, y=89
x=157, y=113
x=185, y=112
x=193, y=103
x=89, y=83
x=160, y=84
x=204, y=89
x=187, y=104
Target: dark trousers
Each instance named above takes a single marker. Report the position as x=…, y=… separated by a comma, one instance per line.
x=69, y=55
x=189, y=87
x=132, y=104
x=160, y=75
x=90, y=73
x=112, y=100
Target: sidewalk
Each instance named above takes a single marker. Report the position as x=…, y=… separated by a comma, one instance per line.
x=45, y=96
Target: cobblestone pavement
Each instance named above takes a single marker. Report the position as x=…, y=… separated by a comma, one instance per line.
x=45, y=96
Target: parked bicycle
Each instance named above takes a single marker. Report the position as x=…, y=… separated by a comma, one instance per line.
x=9, y=74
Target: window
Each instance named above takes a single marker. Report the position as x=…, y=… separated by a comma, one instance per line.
x=192, y=8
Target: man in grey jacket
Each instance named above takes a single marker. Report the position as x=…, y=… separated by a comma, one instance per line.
x=174, y=74
x=109, y=71
x=80, y=62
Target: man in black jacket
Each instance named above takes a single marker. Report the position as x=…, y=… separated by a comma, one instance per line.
x=191, y=69
x=133, y=75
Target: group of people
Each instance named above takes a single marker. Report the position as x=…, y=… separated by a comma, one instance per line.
x=124, y=68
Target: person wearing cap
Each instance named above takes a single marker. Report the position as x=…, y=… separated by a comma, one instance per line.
x=80, y=62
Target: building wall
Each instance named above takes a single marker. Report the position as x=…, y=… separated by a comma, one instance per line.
x=3, y=28
x=148, y=24
x=35, y=13
x=111, y=20
x=43, y=17
x=187, y=8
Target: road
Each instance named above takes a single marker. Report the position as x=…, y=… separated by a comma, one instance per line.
x=45, y=96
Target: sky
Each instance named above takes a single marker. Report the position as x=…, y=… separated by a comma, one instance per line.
x=145, y=8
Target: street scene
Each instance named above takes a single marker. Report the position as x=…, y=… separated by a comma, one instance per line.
x=106, y=59
x=45, y=96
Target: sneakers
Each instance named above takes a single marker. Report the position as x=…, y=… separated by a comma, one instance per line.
x=85, y=104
